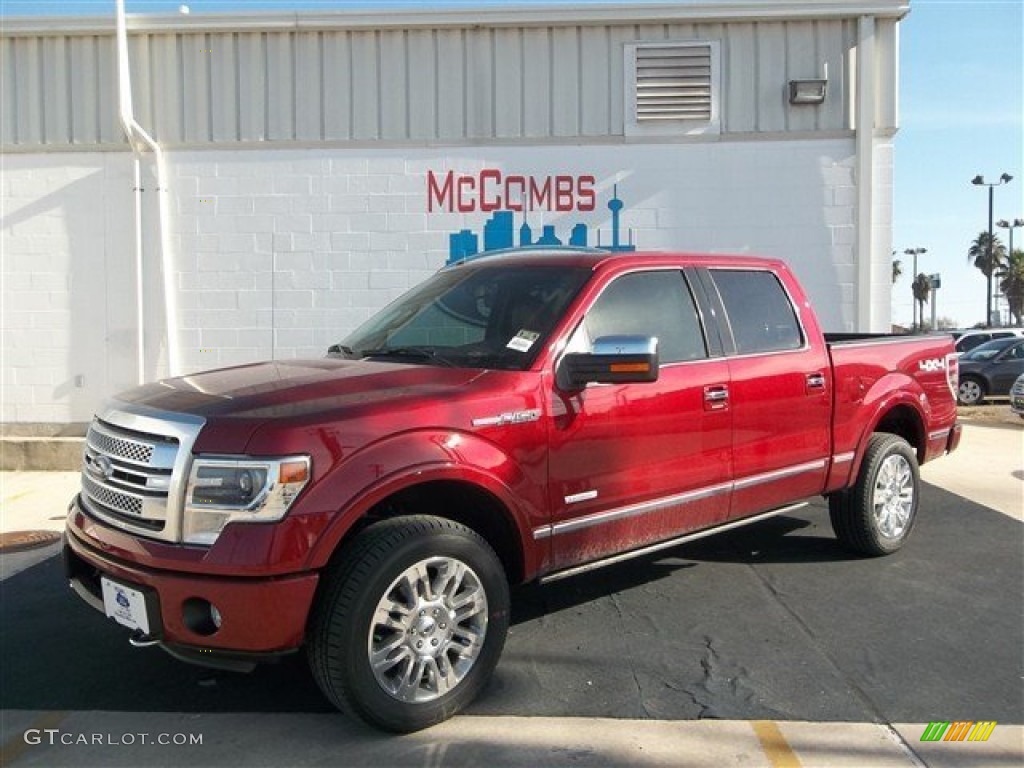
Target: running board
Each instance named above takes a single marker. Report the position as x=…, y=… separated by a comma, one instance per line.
x=685, y=539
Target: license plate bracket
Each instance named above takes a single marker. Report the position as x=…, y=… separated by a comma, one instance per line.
x=129, y=606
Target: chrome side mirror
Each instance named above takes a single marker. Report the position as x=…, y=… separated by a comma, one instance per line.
x=615, y=360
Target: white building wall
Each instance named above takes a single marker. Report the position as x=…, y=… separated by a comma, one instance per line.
x=67, y=318
x=881, y=237
x=281, y=253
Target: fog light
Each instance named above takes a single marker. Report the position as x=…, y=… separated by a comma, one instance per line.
x=200, y=616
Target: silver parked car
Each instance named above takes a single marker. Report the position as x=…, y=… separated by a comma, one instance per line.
x=1017, y=396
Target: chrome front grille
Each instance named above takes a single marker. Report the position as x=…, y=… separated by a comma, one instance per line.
x=123, y=448
x=135, y=468
x=113, y=500
x=127, y=476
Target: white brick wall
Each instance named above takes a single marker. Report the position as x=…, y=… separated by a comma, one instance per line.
x=67, y=309
x=281, y=253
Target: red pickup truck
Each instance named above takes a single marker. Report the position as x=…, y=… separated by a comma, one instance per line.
x=521, y=417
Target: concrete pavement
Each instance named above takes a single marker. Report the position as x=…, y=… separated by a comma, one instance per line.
x=987, y=467
x=987, y=470
x=330, y=740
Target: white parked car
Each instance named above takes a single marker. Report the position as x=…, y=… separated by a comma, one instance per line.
x=968, y=340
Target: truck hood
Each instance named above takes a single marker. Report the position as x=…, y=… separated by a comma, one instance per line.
x=295, y=388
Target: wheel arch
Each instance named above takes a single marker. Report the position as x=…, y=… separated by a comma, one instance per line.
x=462, y=495
x=462, y=502
x=899, y=415
x=906, y=421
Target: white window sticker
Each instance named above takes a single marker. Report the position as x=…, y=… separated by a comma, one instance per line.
x=523, y=340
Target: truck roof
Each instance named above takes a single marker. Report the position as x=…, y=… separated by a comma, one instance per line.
x=594, y=258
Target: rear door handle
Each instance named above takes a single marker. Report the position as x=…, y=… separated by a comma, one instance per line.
x=815, y=382
x=716, y=397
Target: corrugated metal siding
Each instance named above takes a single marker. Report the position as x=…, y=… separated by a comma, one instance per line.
x=405, y=85
x=58, y=90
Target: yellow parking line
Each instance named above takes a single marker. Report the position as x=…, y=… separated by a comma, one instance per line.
x=17, y=746
x=774, y=744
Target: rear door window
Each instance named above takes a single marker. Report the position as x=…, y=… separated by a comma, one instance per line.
x=761, y=316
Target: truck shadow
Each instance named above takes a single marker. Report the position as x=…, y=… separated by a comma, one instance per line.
x=723, y=627
x=60, y=655
x=772, y=541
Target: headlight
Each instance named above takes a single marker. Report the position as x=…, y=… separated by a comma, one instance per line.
x=221, y=491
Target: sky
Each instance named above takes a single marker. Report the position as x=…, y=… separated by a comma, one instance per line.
x=961, y=115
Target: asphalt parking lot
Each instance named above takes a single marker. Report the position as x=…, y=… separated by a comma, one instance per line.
x=774, y=622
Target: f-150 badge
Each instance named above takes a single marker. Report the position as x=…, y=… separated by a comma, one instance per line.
x=511, y=417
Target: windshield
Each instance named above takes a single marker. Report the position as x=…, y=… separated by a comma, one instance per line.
x=486, y=316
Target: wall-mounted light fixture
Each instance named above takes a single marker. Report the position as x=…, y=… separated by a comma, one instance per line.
x=807, y=91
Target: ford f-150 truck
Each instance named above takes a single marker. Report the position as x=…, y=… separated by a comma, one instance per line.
x=521, y=417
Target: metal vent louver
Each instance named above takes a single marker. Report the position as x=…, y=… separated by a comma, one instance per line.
x=673, y=82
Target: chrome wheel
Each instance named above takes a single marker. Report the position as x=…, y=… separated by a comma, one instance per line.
x=893, y=497
x=428, y=630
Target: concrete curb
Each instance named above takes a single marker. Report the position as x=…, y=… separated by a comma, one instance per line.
x=38, y=446
x=61, y=454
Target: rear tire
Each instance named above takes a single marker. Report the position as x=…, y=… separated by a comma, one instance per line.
x=876, y=516
x=410, y=623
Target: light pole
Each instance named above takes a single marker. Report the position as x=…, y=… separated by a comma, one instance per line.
x=979, y=181
x=1009, y=226
x=915, y=252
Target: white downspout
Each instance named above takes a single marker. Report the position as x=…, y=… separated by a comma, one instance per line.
x=865, y=143
x=136, y=135
x=140, y=313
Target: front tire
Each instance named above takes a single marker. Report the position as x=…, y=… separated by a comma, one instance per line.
x=876, y=516
x=971, y=391
x=410, y=623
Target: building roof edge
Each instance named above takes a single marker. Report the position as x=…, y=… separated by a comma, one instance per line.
x=486, y=16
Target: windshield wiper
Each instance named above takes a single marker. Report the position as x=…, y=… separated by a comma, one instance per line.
x=416, y=353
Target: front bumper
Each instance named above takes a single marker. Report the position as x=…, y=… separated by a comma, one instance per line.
x=262, y=618
x=1017, y=402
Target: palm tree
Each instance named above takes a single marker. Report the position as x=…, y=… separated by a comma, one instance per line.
x=977, y=254
x=1011, y=283
x=922, y=288
x=987, y=253
x=897, y=269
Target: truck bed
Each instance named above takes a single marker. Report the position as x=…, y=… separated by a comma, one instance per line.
x=875, y=372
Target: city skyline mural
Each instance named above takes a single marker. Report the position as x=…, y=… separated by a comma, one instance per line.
x=501, y=233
